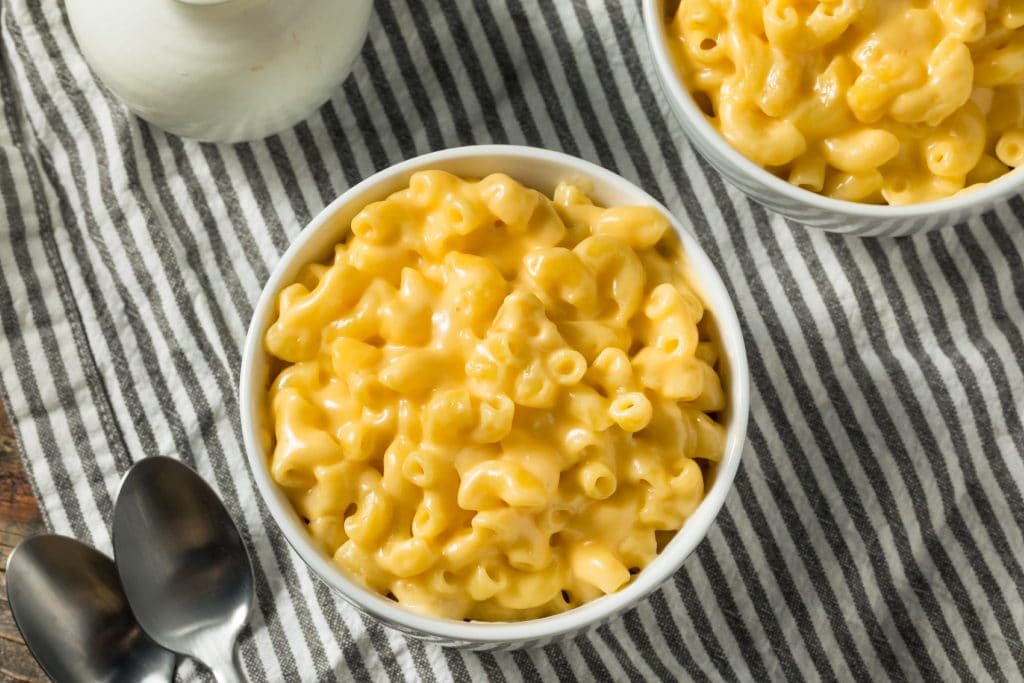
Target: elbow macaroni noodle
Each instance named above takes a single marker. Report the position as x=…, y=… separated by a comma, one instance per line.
x=491, y=404
x=880, y=101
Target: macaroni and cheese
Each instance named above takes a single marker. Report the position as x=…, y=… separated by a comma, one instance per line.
x=881, y=101
x=491, y=404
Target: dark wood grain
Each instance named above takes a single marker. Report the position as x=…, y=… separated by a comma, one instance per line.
x=19, y=519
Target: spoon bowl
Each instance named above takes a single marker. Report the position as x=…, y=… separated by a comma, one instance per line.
x=67, y=601
x=182, y=563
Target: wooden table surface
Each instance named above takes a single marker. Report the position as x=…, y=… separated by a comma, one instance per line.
x=19, y=518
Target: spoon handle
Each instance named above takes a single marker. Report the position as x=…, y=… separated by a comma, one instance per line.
x=229, y=671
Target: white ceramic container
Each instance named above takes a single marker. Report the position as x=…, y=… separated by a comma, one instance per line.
x=543, y=170
x=807, y=207
x=221, y=70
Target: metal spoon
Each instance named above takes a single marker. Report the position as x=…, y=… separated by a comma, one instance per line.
x=68, y=604
x=182, y=563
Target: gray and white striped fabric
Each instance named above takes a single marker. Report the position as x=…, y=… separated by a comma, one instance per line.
x=876, y=529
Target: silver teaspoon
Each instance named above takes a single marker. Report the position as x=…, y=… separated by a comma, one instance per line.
x=68, y=604
x=182, y=563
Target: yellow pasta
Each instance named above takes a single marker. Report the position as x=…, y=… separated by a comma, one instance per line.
x=489, y=401
x=877, y=101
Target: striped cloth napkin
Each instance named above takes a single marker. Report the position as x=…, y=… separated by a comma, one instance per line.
x=876, y=528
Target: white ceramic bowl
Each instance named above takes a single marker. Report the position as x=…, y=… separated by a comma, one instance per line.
x=542, y=170
x=807, y=207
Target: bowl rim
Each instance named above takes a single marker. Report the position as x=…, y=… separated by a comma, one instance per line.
x=495, y=633
x=696, y=124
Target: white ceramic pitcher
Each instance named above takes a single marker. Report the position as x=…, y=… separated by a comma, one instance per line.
x=221, y=70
